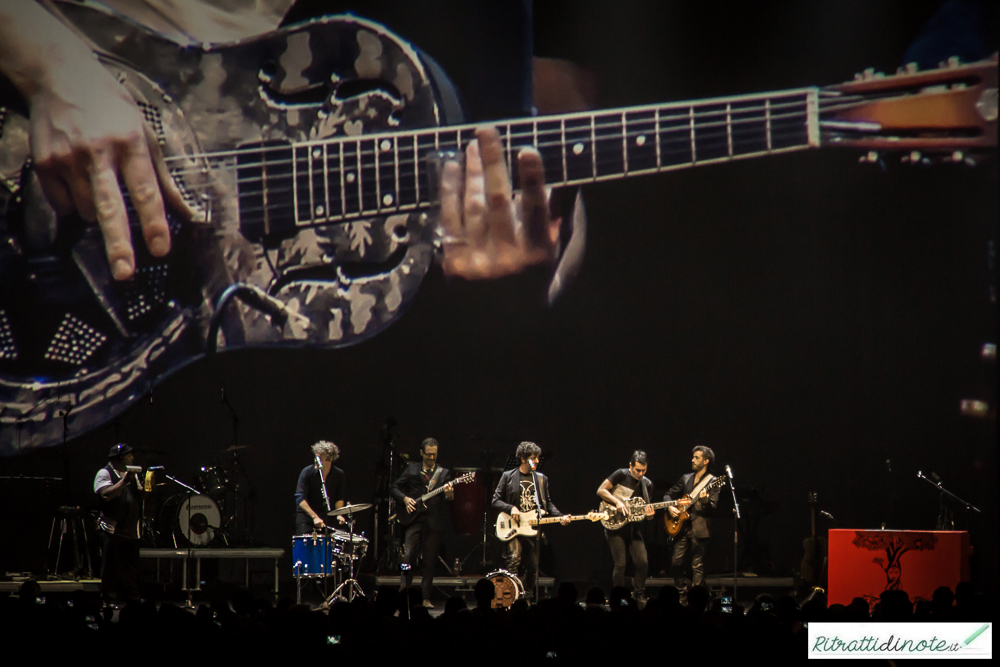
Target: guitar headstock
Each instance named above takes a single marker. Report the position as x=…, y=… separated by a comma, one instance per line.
x=717, y=482
x=466, y=478
x=948, y=114
x=597, y=516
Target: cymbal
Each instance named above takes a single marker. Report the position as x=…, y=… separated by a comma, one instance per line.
x=350, y=509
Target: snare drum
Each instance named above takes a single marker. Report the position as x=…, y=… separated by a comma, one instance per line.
x=312, y=556
x=507, y=589
x=344, y=549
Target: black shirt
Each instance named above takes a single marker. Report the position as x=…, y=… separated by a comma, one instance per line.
x=310, y=490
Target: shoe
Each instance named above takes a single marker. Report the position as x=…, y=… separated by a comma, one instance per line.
x=428, y=604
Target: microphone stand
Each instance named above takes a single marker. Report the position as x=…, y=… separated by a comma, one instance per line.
x=943, y=519
x=736, y=535
x=187, y=559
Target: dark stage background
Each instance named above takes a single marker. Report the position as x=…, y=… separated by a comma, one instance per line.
x=814, y=320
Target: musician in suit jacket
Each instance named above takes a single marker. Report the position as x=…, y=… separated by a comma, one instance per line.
x=522, y=489
x=427, y=526
x=694, y=535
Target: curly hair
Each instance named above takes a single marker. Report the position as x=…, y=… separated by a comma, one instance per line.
x=328, y=448
x=528, y=449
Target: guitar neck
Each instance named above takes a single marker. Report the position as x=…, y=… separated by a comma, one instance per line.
x=556, y=519
x=665, y=503
x=333, y=180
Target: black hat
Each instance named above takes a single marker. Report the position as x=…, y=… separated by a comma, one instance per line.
x=121, y=449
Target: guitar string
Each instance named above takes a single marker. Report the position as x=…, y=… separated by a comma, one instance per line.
x=584, y=125
x=364, y=157
x=352, y=199
x=407, y=179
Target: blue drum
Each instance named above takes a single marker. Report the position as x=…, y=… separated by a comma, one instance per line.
x=312, y=556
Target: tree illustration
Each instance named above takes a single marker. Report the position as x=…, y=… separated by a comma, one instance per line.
x=895, y=544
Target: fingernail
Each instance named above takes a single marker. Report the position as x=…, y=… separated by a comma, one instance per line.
x=122, y=269
x=159, y=245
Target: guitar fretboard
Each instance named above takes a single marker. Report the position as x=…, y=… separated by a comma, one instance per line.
x=283, y=187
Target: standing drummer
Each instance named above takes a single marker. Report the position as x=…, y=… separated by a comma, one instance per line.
x=310, y=504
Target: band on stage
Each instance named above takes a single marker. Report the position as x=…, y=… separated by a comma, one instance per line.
x=326, y=543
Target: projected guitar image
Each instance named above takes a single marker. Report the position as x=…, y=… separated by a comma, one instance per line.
x=310, y=196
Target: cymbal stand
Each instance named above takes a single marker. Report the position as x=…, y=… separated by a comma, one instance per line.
x=352, y=584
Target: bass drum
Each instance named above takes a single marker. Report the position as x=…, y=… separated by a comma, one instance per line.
x=507, y=589
x=188, y=519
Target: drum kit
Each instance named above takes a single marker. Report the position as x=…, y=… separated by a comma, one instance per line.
x=329, y=554
x=191, y=517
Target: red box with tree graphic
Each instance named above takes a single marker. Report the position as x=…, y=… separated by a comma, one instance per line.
x=864, y=563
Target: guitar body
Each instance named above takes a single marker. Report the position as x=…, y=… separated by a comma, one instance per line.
x=674, y=524
x=615, y=520
x=508, y=530
x=406, y=518
x=72, y=337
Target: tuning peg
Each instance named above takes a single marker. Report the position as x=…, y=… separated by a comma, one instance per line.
x=911, y=68
x=954, y=61
x=912, y=158
x=869, y=74
x=870, y=156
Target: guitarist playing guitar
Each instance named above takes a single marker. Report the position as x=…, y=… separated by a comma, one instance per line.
x=424, y=525
x=693, y=534
x=622, y=484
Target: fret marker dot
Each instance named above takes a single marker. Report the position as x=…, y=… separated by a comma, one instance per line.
x=577, y=148
x=317, y=153
x=387, y=200
x=350, y=177
x=319, y=210
x=385, y=145
x=640, y=140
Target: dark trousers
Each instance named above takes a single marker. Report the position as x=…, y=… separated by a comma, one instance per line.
x=119, y=568
x=421, y=539
x=625, y=541
x=521, y=558
x=682, y=546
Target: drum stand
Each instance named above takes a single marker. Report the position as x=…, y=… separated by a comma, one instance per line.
x=352, y=584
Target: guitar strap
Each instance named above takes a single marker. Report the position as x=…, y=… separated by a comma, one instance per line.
x=645, y=491
x=433, y=481
x=695, y=492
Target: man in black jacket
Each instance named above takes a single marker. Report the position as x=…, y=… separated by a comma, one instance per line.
x=524, y=490
x=694, y=534
x=424, y=526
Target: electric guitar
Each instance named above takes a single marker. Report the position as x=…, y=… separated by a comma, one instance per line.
x=508, y=529
x=303, y=157
x=675, y=523
x=409, y=516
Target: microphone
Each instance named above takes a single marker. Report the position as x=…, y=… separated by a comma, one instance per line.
x=531, y=462
x=729, y=471
x=319, y=464
x=827, y=515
